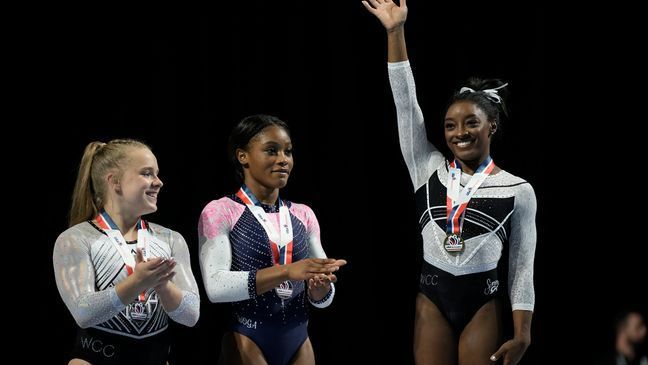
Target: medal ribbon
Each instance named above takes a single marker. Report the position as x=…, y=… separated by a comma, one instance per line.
x=112, y=230
x=457, y=198
x=281, y=243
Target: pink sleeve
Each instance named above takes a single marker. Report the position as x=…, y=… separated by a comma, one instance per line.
x=307, y=216
x=218, y=217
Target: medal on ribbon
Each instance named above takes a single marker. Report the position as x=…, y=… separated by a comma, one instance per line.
x=457, y=201
x=114, y=234
x=281, y=242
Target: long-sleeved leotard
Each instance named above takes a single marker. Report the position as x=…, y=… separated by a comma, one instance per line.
x=87, y=267
x=501, y=212
x=233, y=246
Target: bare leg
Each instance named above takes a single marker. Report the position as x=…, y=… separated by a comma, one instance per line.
x=434, y=341
x=482, y=336
x=238, y=349
x=305, y=354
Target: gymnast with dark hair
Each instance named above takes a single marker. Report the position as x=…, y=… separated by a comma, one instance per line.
x=469, y=211
x=263, y=253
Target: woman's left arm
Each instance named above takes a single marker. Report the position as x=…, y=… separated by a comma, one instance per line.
x=179, y=296
x=522, y=244
x=321, y=289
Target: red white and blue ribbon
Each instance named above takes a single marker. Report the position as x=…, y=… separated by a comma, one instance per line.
x=457, y=198
x=114, y=234
x=281, y=243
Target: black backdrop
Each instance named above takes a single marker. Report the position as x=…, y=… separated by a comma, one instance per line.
x=180, y=82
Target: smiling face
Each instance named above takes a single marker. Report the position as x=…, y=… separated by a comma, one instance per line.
x=137, y=186
x=468, y=132
x=268, y=159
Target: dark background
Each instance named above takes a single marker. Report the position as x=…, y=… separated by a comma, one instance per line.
x=180, y=82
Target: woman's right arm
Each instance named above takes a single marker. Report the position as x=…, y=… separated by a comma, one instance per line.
x=75, y=279
x=221, y=284
x=421, y=157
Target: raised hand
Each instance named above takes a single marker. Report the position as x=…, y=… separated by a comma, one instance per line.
x=391, y=16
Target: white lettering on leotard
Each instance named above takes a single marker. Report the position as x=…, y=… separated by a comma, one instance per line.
x=246, y=322
x=429, y=279
x=97, y=346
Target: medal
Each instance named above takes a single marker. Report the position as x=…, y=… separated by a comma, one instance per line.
x=284, y=290
x=138, y=311
x=453, y=243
